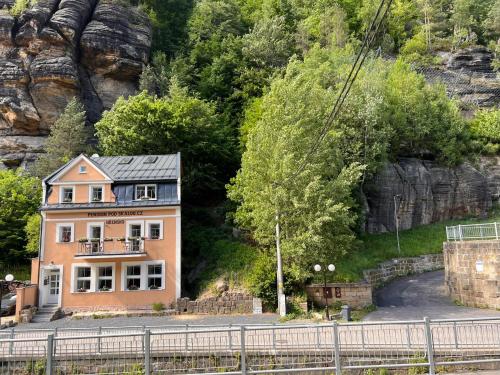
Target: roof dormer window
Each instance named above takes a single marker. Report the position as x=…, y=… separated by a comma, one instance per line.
x=145, y=192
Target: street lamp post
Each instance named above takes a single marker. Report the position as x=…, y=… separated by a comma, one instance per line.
x=330, y=268
x=396, y=219
x=8, y=278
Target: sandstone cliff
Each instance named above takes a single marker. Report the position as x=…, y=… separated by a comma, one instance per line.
x=59, y=49
x=425, y=192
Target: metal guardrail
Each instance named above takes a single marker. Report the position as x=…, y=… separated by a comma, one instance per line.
x=488, y=231
x=255, y=349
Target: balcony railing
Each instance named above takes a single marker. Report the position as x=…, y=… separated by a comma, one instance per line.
x=489, y=231
x=131, y=246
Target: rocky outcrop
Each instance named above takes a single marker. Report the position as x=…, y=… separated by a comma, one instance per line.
x=468, y=75
x=424, y=192
x=59, y=49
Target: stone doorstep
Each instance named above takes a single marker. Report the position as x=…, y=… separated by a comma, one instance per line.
x=121, y=313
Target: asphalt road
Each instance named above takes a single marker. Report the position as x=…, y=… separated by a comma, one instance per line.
x=418, y=296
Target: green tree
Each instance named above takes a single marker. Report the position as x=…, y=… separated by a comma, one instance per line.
x=68, y=138
x=145, y=124
x=20, y=195
x=485, y=128
x=32, y=231
x=314, y=204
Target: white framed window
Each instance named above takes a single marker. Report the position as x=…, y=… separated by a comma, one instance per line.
x=67, y=194
x=65, y=232
x=83, y=279
x=83, y=169
x=133, y=276
x=95, y=231
x=155, y=276
x=149, y=275
x=96, y=193
x=105, y=278
x=145, y=192
x=154, y=229
x=135, y=229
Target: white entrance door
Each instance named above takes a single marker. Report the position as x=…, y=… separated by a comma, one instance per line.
x=54, y=281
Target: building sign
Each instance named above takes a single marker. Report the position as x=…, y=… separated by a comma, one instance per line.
x=338, y=292
x=115, y=213
x=115, y=221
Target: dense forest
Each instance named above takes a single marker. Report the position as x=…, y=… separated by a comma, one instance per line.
x=243, y=87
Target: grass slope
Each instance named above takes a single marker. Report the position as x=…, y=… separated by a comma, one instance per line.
x=377, y=248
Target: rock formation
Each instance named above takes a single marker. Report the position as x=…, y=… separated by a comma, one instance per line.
x=425, y=192
x=60, y=49
x=468, y=75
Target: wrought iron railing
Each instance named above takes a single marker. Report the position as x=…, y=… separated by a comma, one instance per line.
x=111, y=247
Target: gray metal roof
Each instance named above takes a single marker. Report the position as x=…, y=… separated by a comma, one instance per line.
x=140, y=168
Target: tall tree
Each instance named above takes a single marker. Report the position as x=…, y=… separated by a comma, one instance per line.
x=68, y=138
x=20, y=195
x=145, y=124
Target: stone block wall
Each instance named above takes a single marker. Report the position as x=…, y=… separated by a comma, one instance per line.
x=398, y=267
x=227, y=303
x=357, y=295
x=472, y=272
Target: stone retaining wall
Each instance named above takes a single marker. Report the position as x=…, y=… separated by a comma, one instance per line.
x=398, y=267
x=472, y=272
x=227, y=303
x=357, y=295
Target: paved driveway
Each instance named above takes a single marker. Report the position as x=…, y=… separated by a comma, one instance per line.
x=418, y=296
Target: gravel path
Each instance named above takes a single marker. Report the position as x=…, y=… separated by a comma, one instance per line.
x=418, y=296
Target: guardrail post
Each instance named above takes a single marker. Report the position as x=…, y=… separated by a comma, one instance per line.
x=187, y=333
x=274, y=337
x=455, y=334
x=496, y=230
x=362, y=337
x=408, y=336
x=336, y=344
x=230, y=337
x=11, y=344
x=317, y=338
x=429, y=344
x=147, y=352
x=99, y=333
x=460, y=232
x=49, y=369
x=243, y=360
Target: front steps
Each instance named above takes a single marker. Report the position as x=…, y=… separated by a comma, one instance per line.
x=46, y=314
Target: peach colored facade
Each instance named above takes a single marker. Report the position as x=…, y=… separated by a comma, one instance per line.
x=112, y=271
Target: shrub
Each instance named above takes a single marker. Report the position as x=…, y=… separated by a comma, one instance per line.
x=485, y=129
x=158, y=306
x=19, y=7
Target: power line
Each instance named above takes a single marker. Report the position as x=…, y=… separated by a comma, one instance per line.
x=353, y=74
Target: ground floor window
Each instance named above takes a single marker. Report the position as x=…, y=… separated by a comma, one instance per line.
x=155, y=272
x=97, y=277
x=83, y=278
x=144, y=275
x=133, y=277
x=105, y=278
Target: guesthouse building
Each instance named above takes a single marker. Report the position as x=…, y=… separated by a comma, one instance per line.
x=111, y=233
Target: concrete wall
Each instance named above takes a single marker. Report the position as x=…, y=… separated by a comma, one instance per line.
x=472, y=272
x=357, y=295
x=398, y=267
x=25, y=296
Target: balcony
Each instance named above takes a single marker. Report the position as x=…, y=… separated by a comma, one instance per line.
x=111, y=248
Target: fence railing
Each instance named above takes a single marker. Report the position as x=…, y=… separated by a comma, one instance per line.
x=489, y=231
x=257, y=349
